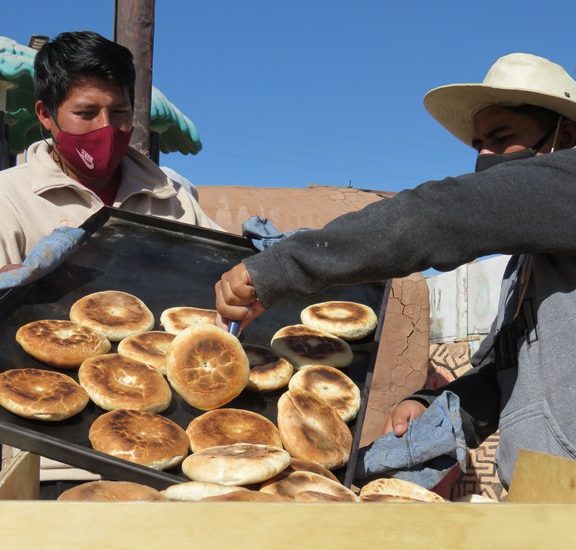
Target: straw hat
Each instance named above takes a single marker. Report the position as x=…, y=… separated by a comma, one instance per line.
x=515, y=79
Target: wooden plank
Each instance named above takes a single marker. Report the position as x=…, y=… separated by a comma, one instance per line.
x=543, y=478
x=246, y=526
x=20, y=479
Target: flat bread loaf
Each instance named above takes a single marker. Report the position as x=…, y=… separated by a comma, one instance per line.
x=238, y=464
x=348, y=320
x=113, y=313
x=176, y=319
x=112, y=491
x=331, y=385
x=194, y=491
x=296, y=482
x=399, y=488
x=117, y=382
x=62, y=344
x=141, y=437
x=301, y=346
x=268, y=371
x=229, y=426
x=41, y=394
x=310, y=429
x=149, y=347
x=207, y=366
x=246, y=496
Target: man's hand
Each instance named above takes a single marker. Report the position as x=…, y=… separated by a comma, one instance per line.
x=236, y=298
x=400, y=416
x=10, y=267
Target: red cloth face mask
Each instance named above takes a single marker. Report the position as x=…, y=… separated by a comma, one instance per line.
x=96, y=154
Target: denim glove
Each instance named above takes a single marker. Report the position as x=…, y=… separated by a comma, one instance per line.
x=425, y=454
x=263, y=233
x=46, y=256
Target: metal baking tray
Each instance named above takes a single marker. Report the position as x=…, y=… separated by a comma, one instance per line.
x=165, y=264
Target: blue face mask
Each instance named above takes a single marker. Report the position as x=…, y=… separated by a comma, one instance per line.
x=483, y=162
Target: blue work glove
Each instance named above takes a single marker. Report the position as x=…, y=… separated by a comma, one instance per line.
x=46, y=256
x=263, y=233
x=425, y=454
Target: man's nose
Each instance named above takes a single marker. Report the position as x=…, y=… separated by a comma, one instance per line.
x=103, y=118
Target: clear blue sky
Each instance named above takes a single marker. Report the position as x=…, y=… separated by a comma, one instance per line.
x=318, y=91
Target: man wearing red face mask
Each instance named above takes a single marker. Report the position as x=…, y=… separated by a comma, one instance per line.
x=84, y=87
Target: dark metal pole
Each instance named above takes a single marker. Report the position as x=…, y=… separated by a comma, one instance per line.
x=134, y=28
x=4, y=147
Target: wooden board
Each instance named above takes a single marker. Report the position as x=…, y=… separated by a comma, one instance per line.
x=543, y=478
x=19, y=480
x=247, y=526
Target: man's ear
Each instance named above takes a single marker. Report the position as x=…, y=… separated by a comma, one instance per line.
x=44, y=116
x=567, y=135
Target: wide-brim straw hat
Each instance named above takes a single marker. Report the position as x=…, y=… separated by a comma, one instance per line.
x=515, y=79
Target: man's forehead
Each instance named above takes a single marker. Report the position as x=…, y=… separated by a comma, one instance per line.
x=92, y=90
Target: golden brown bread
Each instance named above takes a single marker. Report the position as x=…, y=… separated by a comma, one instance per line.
x=348, y=320
x=59, y=343
x=112, y=491
x=207, y=366
x=302, y=346
x=229, y=426
x=117, y=382
x=176, y=319
x=310, y=429
x=149, y=347
x=246, y=496
x=297, y=482
x=268, y=371
x=41, y=394
x=113, y=313
x=399, y=488
x=331, y=385
x=238, y=464
x=300, y=465
x=318, y=496
x=141, y=437
x=193, y=491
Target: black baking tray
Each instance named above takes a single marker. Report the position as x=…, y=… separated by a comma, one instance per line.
x=166, y=264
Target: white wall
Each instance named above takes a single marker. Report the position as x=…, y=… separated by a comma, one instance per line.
x=463, y=302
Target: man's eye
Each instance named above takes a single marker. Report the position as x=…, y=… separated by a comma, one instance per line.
x=85, y=113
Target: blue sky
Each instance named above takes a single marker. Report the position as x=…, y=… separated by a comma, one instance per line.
x=285, y=94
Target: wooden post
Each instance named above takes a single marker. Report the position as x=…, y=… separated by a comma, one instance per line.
x=134, y=28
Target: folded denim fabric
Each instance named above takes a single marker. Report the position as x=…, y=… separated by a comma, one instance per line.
x=263, y=233
x=46, y=256
x=425, y=454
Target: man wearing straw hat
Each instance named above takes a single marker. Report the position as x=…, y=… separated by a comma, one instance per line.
x=521, y=200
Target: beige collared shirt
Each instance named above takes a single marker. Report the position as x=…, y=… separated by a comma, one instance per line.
x=36, y=197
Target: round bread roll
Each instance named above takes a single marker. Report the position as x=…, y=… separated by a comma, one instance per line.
x=268, y=372
x=399, y=488
x=176, y=319
x=331, y=385
x=238, y=464
x=207, y=366
x=387, y=498
x=141, y=437
x=112, y=313
x=348, y=320
x=246, y=496
x=317, y=496
x=148, y=347
x=62, y=344
x=302, y=346
x=310, y=429
x=112, y=491
x=297, y=482
x=229, y=426
x=117, y=382
x=193, y=491
x=41, y=394
x=299, y=465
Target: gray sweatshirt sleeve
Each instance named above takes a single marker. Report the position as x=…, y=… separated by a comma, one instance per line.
x=513, y=208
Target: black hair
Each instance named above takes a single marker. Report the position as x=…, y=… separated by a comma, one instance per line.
x=545, y=118
x=61, y=62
